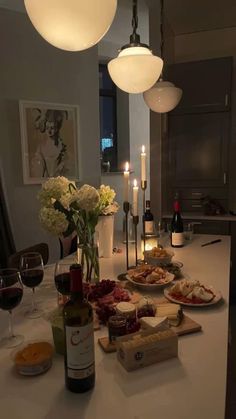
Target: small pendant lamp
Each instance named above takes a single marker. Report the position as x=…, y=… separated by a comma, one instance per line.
x=135, y=69
x=163, y=96
x=71, y=25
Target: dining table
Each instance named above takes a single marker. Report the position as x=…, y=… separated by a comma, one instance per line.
x=190, y=386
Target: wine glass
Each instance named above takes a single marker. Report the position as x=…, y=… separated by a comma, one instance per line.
x=62, y=280
x=32, y=271
x=11, y=292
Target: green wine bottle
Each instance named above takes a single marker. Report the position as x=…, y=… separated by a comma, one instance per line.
x=79, y=337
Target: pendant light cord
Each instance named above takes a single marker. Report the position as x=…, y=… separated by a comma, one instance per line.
x=162, y=27
x=162, y=32
x=135, y=38
x=135, y=17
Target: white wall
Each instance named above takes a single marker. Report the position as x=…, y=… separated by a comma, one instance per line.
x=139, y=132
x=31, y=69
x=212, y=44
x=158, y=121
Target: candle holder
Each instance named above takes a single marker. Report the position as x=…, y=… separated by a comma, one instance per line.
x=144, y=187
x=126, y=208
x=135, y=222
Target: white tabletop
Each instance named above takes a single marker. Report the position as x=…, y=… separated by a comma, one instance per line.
x=190, y=387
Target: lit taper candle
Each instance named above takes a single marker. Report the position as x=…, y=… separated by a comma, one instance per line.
x=135, y=199
x=143, y=164
x=126, y=182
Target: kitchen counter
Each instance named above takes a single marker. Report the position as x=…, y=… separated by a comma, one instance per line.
x=197, y=216
x=190, y=386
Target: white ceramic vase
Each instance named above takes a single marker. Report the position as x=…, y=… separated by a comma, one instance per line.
x=105, y=229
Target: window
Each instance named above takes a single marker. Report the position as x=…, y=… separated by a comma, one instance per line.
x=108, y=120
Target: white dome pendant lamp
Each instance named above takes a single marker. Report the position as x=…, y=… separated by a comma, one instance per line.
x=163, y=96
x=71, y=25
x=135, y=69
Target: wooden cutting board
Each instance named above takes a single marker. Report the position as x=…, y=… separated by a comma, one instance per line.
x=187, y=326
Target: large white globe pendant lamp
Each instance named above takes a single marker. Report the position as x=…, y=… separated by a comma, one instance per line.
x=72, y=25
x=135, y=69
x=163, y=96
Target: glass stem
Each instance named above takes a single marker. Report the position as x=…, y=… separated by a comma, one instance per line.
x=11, y=334
x=33, y=301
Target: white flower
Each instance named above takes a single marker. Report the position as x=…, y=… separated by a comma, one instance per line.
x=110, y=209
x=67, y=199
x=107, y=205
x=53, y=189
x=87, y=198
x=53, y=221
x=107, y=195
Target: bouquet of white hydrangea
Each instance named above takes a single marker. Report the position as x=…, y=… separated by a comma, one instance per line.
x=66, y=209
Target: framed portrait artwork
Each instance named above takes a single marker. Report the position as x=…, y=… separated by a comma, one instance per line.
x=49, y=141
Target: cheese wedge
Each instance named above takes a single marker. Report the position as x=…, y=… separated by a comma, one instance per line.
x=167, y=309
x=173, y=312
x=154, y=323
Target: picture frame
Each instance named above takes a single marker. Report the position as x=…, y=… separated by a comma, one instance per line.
x=49, y=140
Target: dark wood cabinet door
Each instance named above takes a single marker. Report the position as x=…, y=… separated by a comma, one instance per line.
x=206, y=85
x=233, y=262
x=198, y=147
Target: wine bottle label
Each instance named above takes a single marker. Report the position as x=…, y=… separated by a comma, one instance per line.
x=177, y=239
x=80, y=351
x=148, y=227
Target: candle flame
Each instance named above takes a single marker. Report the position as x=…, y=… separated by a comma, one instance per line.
x=143, y=148
x=135, y=183
x=127, y=166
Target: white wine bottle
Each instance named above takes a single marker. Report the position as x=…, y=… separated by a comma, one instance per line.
x=177, y=228
x=79, y=337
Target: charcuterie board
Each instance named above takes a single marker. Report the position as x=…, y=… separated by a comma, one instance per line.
x=187, y=326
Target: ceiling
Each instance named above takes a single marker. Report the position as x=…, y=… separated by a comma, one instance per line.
x=184, y=16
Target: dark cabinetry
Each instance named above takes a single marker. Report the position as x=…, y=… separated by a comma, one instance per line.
x=233, y=262
x=206, y=85
x=195, y=155
x=198, y=149
x=198, y=153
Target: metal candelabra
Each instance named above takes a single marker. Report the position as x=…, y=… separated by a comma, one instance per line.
x=135, y=222
x=144, y=187
x=126, y=208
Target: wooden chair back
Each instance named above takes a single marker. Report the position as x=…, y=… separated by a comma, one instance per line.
x=42, y=248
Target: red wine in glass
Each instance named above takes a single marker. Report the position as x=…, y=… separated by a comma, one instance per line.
x=32, y=278
x=62, y=282
x=10, y=298
x=11, y=292
x=32, y=271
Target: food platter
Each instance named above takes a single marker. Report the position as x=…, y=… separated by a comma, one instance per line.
x=158, y=256
x=169, y=278
x=215, y=300
x=175, y=268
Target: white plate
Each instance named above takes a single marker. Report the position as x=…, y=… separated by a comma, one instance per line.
x=215, y=300
x=169, y=276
